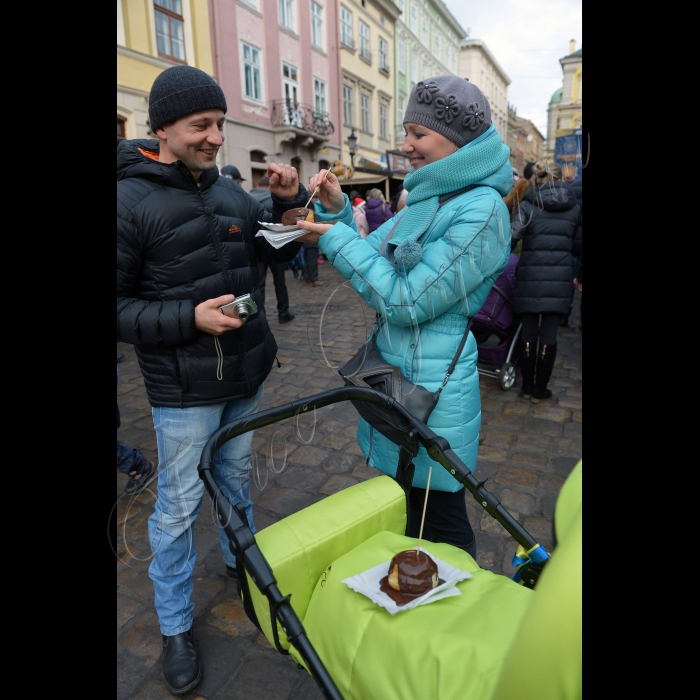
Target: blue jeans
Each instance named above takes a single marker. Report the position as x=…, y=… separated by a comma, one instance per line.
x=128, y=458
x=182, y=435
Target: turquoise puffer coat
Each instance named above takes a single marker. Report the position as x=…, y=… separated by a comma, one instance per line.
x=465, y=249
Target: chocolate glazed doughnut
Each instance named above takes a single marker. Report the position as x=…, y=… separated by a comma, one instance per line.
x=290, y=218
x=411, y=575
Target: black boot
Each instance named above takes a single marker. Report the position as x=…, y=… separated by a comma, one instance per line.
x=527, y=368
x=181, y=666
x=543, y=372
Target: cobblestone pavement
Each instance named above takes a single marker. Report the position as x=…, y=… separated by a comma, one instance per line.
x=527, y=452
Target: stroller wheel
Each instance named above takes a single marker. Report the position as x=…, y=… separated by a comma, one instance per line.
x=506, y=378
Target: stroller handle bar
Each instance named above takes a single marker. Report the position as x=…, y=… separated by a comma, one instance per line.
x=438, y=448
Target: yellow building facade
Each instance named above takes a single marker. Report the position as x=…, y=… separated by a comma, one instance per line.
x=366, y=92
x=152, y=36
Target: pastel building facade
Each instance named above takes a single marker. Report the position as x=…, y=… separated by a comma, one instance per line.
x=279, y=69
x=565, y=114
x=153, y=35
x=428, y=43
x=366, y=86
x=480, y=66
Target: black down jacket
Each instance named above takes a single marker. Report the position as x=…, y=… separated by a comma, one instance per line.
x=577, y=187
x=179, y=245
x=546, y=222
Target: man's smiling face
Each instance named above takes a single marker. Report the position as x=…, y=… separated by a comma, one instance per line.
x=194, y=139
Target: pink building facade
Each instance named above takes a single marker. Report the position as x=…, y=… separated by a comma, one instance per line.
x=278, y=64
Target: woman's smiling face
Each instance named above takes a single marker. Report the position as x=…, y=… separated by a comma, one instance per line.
x=424, y=146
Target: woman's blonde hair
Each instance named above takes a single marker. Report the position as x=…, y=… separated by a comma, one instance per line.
x=377, y=194
x=547, y=172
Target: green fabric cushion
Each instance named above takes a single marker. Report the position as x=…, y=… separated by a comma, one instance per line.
x=300, y=547
x=546, y=658
x=449, y=650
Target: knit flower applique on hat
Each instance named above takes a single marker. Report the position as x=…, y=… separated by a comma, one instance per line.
x=447, y=109
x=425, y=91
x=474, y=118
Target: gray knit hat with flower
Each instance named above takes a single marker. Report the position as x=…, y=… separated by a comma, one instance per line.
x=450, y=105
x=180, y=91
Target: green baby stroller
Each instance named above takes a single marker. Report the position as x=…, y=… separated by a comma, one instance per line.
x=485, y=641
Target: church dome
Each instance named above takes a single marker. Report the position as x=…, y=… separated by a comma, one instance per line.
x=556, y=97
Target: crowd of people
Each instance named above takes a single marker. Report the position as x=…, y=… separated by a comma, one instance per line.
x=187, y=246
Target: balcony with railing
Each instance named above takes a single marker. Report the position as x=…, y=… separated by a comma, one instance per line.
x=300, y=124
x=305, y=117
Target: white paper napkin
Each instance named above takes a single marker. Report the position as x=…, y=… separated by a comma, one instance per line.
x=368, y=583
x=278, y=235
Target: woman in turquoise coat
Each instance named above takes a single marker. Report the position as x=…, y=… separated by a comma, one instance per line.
x=428, y=271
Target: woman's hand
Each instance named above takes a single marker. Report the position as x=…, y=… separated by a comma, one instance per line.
x=329, y=192
x=315, y=231
x=284, y=181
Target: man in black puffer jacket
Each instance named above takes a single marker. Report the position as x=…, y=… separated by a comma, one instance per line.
x=186, y=246
x=577, y=248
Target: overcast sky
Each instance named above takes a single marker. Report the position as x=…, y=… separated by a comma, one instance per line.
x=527, y=38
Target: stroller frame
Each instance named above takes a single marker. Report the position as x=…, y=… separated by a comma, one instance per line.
x=506, y=373
x=488, y=323
x=531, y=556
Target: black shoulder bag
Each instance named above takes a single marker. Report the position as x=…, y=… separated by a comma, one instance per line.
x=368, y=369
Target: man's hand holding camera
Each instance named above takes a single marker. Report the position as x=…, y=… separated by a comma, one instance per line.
x=210, y=318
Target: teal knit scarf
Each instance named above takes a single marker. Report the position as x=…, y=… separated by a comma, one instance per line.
x=468, y=166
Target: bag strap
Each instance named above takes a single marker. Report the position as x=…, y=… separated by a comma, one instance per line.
x=453, y=366
x=450, y=370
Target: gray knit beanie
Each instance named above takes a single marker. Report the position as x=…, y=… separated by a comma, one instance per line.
x=180, y=91
x=450, y=105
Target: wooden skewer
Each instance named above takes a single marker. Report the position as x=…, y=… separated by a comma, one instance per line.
x=425, y=508
x=316, y=190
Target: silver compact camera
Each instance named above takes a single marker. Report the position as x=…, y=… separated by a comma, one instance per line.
x=244, y=306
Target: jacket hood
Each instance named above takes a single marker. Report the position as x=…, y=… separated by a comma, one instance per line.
x=139, y=159
x=501, y=180
x=552, y=196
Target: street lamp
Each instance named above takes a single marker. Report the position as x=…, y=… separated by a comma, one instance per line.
x=352, y=143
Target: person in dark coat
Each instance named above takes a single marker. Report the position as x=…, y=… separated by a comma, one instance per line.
x=187, y=246
x=577, y=248
x=377, y=210
x=284, y=315
x=546, y=222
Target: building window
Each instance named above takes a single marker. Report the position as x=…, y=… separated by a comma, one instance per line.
x=121, y=128
x=399, y=4
x=365, y=46
x=383, y=55
x=402, y=58
x=348, y=106
x=320, y=98
x=287, y=13
x=401, y=110
x=364, y=108
x=170, y=29
x=437, y=45
x=252, y=3
x=414, y=19
x=252, y=72
x=384, y=121
x=258, y=157
x=346, y=28
x=414, y=68
x=427, y=70
x=425, y=32
x=316, y=25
